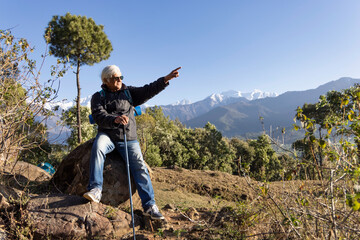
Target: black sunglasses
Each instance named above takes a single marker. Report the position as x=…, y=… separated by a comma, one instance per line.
x=118, y=78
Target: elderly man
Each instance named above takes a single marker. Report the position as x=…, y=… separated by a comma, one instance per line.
x=113, y=111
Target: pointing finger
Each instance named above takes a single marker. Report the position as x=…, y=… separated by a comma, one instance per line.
x=176, y=69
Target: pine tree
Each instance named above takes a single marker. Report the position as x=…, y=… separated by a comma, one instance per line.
x=80, y=41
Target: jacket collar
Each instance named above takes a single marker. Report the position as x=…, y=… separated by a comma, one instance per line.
x=105, y=87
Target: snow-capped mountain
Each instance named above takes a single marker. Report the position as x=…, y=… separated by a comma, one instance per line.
x=241, y=117
x=256, y=94
x=220, y=97
x=64, y=105
x=186, y=112
x=216, y=98
x=182, y=102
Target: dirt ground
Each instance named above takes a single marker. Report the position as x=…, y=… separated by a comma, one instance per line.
x=199, y=204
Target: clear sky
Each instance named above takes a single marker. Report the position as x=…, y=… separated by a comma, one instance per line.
x=221, y=45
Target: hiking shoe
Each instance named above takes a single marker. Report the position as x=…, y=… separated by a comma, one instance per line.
x=94, y=195
x=154, y=213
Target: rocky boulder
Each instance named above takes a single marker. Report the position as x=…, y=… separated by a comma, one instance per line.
x=60, y=216
x=25, y=170
x=21, y=175
x=72, y=176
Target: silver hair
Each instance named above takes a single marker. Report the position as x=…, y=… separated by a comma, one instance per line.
x=108, y=72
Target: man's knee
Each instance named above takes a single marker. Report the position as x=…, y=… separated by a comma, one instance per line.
x=103, y=144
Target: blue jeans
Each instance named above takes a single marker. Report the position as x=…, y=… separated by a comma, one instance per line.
x=102, y=146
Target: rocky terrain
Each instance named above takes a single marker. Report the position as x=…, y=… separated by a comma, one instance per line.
x=196, y=205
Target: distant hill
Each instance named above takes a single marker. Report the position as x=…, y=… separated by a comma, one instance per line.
x=241, y=118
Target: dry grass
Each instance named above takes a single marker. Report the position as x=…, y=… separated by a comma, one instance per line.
x=233, y=207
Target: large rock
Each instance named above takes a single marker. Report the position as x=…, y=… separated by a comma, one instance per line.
x=72, y=176
x=17, y=177
x=22, y=175
x=60, y=216
x=26, y=170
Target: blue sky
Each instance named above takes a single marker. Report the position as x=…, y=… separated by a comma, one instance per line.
x=271, y=45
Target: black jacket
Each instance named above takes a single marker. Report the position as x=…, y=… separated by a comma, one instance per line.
x=112, y=104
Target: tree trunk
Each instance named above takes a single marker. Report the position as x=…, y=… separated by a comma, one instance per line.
x=320, y=150
x=78, y=116
x=357, y=142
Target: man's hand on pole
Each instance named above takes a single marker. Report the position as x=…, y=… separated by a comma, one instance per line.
x=123, y=120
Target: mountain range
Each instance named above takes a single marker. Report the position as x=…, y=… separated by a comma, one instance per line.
x=243, y=117
x=233, y=113
x=185, y=112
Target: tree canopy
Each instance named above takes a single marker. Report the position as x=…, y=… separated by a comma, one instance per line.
x=80, y=41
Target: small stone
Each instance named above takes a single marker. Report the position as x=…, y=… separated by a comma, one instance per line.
x=192, y=213
x=169, y=207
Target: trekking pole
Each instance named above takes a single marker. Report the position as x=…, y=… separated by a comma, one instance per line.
x=129, y=181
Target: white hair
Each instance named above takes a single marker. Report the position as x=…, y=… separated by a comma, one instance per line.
x=108, y=72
